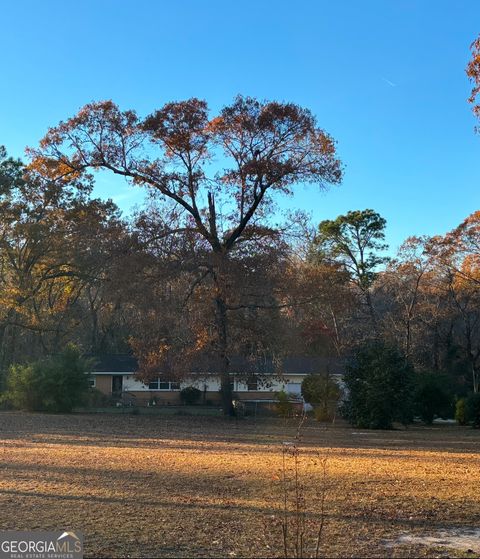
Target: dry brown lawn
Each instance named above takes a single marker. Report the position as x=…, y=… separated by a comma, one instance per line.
x=166, y=486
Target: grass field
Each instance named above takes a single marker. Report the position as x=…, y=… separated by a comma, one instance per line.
x=166, y=486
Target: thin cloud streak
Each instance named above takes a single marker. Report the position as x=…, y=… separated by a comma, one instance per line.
x=391, y=84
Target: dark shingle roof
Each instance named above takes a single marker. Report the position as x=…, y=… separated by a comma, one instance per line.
x=113, y=363
x=122, y=363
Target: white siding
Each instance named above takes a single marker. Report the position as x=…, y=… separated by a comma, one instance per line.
x=130, y=383
x=290, y=384
x=210, y=384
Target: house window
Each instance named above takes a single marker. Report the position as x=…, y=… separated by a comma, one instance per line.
x=158, y=384
x=252, y=383
x=294, y=387
x=92, y=381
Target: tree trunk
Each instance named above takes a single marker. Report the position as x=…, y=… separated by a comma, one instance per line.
x=221, y=320
x=435, y=352
x=221, y=323
x=407, y=338
x=5, y=360
x=371, y=311
x=474, y=379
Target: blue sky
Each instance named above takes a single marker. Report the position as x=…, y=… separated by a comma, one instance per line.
x=385, y=78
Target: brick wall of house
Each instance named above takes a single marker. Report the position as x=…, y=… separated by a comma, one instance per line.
x=172, y=398
x=104, y=384
x=254, y=395
x=142, y=398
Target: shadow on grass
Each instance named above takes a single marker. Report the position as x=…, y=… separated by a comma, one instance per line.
x=372, y=518
x=152, y=431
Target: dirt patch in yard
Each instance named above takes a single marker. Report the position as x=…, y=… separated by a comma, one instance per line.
x=460, y=539
x=160, y=486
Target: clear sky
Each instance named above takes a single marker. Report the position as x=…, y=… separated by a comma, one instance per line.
x=386, y=78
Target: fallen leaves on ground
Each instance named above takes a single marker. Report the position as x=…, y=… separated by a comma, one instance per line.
x=154, y=486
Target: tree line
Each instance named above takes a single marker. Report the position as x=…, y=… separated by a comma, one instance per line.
x=210, y=266
x=73, y=270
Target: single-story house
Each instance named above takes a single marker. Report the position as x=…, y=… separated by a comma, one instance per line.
x=116, y=376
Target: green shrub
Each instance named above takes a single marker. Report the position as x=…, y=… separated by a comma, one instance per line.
x=56, y=384
x=319, y=389
x=461, y=412
x=379, y=382
x=283, y=406
x=96, y=399
x=323, y=393
x=432, y=397
x=24, y=387
x=472, y=409
x=324, y=413
x=190, y=395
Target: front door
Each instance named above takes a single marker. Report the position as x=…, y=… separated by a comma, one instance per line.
x=117, y=385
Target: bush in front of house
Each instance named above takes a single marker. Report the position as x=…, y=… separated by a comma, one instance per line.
x=322, y=392
x=460, y=412
x=324, y=414
x=379, y=383
x=467, y=410
x=283, y=406
x=55, y=384
x=190, y=395
x=472, y=409
x=432, y=397
x=96, y=399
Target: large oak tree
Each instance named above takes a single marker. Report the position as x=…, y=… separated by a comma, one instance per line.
x=219, y=175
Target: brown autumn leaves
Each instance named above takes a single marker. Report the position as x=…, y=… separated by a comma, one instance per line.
x=208, y=268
